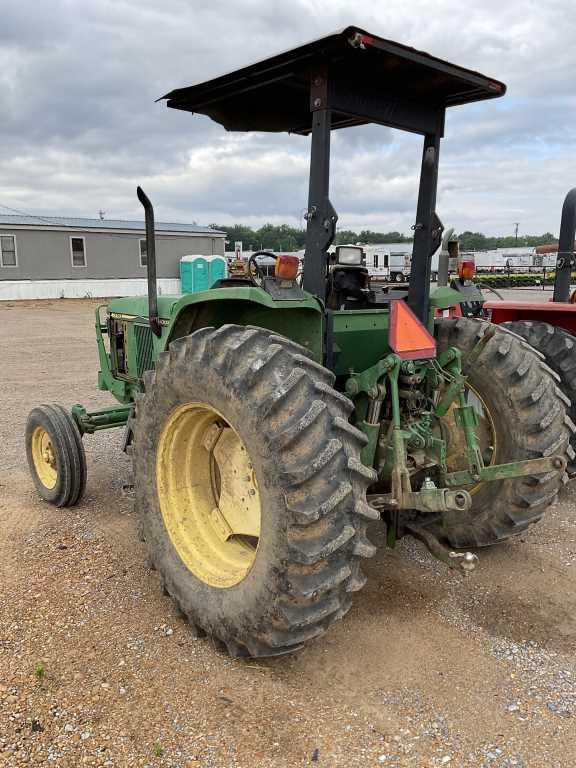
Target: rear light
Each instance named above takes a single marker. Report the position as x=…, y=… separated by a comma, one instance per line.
x=466, y=268
x=287, y=267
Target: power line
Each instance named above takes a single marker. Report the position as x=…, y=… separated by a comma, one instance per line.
x=59, y=219
x=28, y=215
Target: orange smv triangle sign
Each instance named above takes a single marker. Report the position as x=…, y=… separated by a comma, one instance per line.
x=408, y=338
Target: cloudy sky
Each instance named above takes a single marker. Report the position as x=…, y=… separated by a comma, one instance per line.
x=80, y=126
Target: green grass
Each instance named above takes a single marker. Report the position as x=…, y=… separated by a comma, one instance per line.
x=40, y=671
x=158, y=749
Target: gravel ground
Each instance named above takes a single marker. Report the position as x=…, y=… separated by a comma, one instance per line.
x=429, y=668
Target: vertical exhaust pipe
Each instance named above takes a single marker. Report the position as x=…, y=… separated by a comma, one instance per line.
x=565, y=259
x=150, y=263
x=444, y=258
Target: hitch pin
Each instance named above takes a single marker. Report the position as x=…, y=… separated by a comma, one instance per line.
x=466, y=561
x=462, y=561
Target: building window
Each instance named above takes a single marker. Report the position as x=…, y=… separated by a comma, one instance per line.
x=78, y=249
x=375, y=259
x=143, y=254
x=8, y=251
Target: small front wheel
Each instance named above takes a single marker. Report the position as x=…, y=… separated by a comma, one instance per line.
x=55, y=455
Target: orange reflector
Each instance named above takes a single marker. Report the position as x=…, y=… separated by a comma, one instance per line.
x=286, y=267
x=408, y=338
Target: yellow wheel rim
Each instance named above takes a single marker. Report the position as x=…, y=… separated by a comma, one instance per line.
x=43, y=458
x=208, y=495
x=456, y=457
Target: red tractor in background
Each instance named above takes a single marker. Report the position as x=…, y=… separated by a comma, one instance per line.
x=550, y=326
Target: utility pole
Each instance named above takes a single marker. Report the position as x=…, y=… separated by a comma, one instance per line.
x=516, y=225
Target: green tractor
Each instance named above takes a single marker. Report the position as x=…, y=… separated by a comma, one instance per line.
x=270, y=423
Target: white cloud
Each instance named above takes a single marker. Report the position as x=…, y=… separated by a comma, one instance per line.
x=78, y=82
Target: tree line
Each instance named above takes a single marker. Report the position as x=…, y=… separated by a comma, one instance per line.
x=282, y=237
x=476, y=241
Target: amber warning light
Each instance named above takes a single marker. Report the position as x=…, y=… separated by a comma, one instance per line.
x=408, y=338
x=287, y=267
x=466, y=267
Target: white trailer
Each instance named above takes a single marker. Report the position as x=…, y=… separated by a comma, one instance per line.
x=387, y=263
x=513, y=259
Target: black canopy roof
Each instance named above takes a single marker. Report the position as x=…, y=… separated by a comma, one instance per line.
x=370, y=79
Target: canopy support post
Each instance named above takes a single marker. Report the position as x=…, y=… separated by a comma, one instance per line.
x=426, y=228
x=321, y=217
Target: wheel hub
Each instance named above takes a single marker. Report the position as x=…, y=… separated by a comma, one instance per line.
x=456, y=448
x=208, y=494
x=44, y=458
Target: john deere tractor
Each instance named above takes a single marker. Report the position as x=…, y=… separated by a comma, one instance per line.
x=270, y=423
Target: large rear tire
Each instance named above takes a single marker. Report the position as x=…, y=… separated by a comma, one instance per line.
x=527, y=414
x=559, y=350
x=289, y=567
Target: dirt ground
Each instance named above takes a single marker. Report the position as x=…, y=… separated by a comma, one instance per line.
x=429, y=668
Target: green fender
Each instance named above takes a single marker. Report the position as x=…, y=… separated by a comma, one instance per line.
x=300, y=320
x=359, y=337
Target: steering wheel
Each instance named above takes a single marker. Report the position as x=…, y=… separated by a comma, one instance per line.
x=254, y=269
